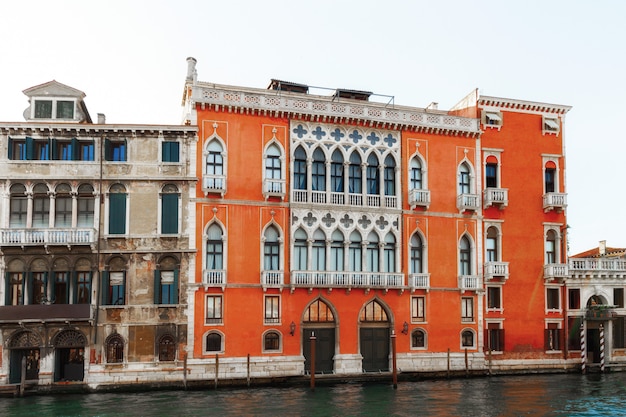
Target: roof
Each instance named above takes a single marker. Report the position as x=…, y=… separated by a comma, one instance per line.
x=54, y=88
x=595, y=253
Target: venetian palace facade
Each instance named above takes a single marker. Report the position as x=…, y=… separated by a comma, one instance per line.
x=273, y=220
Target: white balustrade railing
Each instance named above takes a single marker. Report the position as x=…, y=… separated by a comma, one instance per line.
x=419, y=197
x=20, y=237
x=554, y=200
x=469, y=282
x=597, y=268
x=496, y=270
x=214, y=182
x=272, y=278
x=338, y=198
x=274, y=186
x=216, y=277
x=551, y=271
x=468, y=202
x=347, y=279
x=419, y=281
x=496, y=196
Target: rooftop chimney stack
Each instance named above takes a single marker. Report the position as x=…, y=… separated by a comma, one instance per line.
x=191, y=69
x=602, y=248
x=102, y=119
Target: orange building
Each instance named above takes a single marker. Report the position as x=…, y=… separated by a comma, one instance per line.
x=339, y=222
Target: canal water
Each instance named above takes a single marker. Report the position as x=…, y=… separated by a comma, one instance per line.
x=534, y=395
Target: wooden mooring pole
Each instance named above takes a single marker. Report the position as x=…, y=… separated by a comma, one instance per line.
x=312, y=339
x=217, y=368
x=393, y=360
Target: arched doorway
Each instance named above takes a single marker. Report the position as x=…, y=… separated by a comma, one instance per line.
x=24, y=345
x=374, y=337
x=319, y=320
x=597, y=316
x=69, y=349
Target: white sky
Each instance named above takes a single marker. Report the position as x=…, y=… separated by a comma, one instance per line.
x=129, y=58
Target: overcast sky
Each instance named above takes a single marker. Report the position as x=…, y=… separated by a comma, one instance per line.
x=129, y=58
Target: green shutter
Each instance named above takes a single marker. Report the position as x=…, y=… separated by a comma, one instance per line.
x=27, y=287
x=7, y=289
x=171, y=152
x=157, y=286
x=10, y=155
x=30, y=148
x=175, y=290
x=117, y=214
x=75, y=149
x=166, y=152
x=169, y=213
x=107, y=150
x=104, y=287
x=53, y=153
x=74, y=284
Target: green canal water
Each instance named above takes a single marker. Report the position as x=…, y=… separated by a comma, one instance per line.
x=534, y=395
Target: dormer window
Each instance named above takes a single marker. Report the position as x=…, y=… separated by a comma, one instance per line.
x=54, y=109
x=43, y=109
x=56, y=101
x=492, y=119
x=65, y=109
x=550, y=125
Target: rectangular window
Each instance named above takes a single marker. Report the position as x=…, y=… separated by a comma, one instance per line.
x=85, y=151
x=115, y=151
x=17, y=149
x=19, y=211
x=491, y=178
x=65, y=109
x=272, y=309
x=618, y=297
x=494, y=340
x=82, y=288
x=270, y=256
x=61, y=288
x=573, y=336
x=170, y=151
x=166, y=287
x=553, y=337
x=117, y=213
x=467, y=309
x=63, y=151
x=42, y=150
x=38, y=283
x=213, y=309
x=43, y=109
x=549, y=177
x=618, y=333
x=14, y=294
x=574, y=298
x=553, y=299
x=116, y=288
x=493, y=118
x=494, y=298
x=169, y=213
x=41, y=212
x=63, y=212
x=418, y=309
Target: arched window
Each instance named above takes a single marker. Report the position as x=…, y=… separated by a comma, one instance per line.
x=300, y=250
x=416, y=265
x=63, y=206
x=389, y=257
x=464, y=179
x=117, y=209
x=214, y=166
x=271, y=341
x=214, y=248
x=491, y=245
x=355, y=259
x=372, y=254
x=318, y=311
x=169, y=209
x=465, y=262
x=19, y=206
x=299, y=169
x=167, y=348
x=271, y=256
x=390, y=176
x=41, y=206
x=467, y=338
x=318, y=171
x=373, y=312
x=355, y=176
x=318, y=259
x=336, y=172
x=336, y=252
x=418, y=338
x=273, y=169
x=214, y=342
x=86, y=204
x=373, y=175
x=415, y=178
x=550, y=177
x=491, y=172
x=114, y=282
x=551, y=247
x=115, y=348
x=166, y=281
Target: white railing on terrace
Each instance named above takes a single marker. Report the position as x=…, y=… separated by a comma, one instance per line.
x=597, y=267
x=496, y=270
x=214, y=182
x=468, y=202
x=554, y=201
x=469, y=282
x=335, y=198
x=19, y=237
x=419, y=197
x=552, y=271
x=273, y=186
x=269, y=100
x=419, y=281
x=496, y=196
x=214, y=277
x=347, y=279
x=272, y=278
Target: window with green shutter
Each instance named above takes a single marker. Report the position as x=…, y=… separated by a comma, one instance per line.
x=117, y=210
x=169, y=209
x=170, y=151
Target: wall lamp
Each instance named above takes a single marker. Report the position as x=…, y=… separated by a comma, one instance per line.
x=405, y=328
x=292, y=328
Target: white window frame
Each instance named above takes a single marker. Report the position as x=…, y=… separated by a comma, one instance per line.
x=474, y=337
x=417, y=329
x=54, y=106
x=558, y=289
x=550, y=125
x=204, y=344
x=494, y=309
x=206, y=304
x=280, y=341
x=160, y=211
x=492, y=114
x=415, y=317
x=279, y=319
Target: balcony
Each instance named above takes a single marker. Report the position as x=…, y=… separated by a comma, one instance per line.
x=46, y=313
x=496, y=197
x=468, y=202
x=274, y=188
x=419, y=198
x=555, y=271
x=214, y=184
x=338, y=279
x=419, y=282
x=554, y=201
x=272, y=279
x=496, y=270
x=46, y=237
x=214, y=278
x=598, y=268
x=338, y=198
x=469, y=282
x=600, y=312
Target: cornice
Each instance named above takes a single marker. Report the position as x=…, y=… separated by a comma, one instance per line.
x=330, y=110
x=93, y=129
x=527, y=106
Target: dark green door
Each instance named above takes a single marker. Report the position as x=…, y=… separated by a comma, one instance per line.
x=593, y=345
x=32, y=365
x=375, y=348
x=324, y=349
x=70, y=364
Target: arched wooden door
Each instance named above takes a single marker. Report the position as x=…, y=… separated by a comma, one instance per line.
x=319, y=321
x=374, y=337
x=69, y=349
x=25, y=345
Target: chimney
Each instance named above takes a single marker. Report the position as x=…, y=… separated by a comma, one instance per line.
x=102, y=119
x=191, y=69
x=433, y=106
x=602, y=248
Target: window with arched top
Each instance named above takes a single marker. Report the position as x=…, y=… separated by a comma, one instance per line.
x=271, y=341
x=113, y=282
x=418, y=339
x=336, y=261
x=464, y=179
x=114, y=348
x=271, y=249
x=415, y=174
x=336, y=172
x=373, y=312
x=318, y=171
x=300, y=251
x=355, y=251
x=214, y=172
x=373, y=175
x=389, y=255
x=551, y=247
x=214, y=342
x=63, y=206
x=372, y=253
x=550, y=185
x=18, y=206
x=416, y=265
x=41, y=206
x=299, y=169
x=166, y=281
x=318, y=312
x=167, y=348
x=214, y=248
x=467, y=338
x=491, y=245
x=318, y=251
x=465, y=256
x=86, y=205
x=273, y=170
x=390, y=176
x=355, y=175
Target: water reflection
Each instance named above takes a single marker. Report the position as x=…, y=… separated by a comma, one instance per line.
x=538, y=395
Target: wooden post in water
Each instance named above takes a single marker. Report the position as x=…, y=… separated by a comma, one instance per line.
x=601, y=347
x=248, y=378
x=185, y=370
x=583, y=349
x=393, y=360
x=466, y=364
x=448, y=373
x=217, y=368
x=489, y=354
x=312, y=339
x=23, y=377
